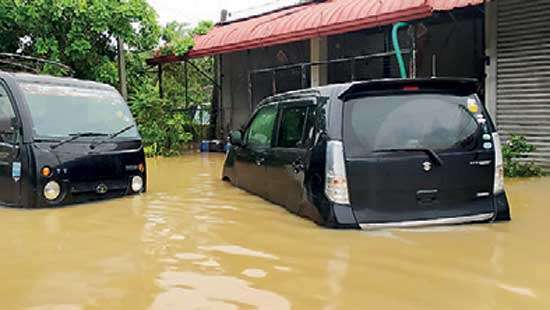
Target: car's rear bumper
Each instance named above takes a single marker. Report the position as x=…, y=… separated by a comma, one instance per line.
x=343, y=216
x=480, y=218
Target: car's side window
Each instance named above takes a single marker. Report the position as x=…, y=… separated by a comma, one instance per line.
x=260, y=131
x=291, y=130
x=7, y=114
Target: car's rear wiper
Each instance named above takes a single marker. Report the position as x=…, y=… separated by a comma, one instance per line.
x=431, y=153
x=112, y=136
x=75, y=136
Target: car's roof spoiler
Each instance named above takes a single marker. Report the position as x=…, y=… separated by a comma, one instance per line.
x=463, y=87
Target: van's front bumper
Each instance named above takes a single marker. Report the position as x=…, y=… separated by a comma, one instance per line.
x=90, y=191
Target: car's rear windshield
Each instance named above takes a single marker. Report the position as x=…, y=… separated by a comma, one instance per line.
x=420, y=121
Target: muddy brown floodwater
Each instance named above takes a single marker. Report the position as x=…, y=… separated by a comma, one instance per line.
x=195, y=242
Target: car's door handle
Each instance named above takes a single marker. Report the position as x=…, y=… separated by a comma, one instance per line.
x=298, y=166
x=260, y=161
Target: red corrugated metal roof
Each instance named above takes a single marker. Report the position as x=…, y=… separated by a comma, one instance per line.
x=311, y=20
x=447, y=5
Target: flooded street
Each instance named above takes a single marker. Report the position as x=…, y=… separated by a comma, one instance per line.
x=194, y=242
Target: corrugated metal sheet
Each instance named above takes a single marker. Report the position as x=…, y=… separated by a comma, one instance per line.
x=523, y=73
x=316, y=19
x=447, y=5
x=307, y=21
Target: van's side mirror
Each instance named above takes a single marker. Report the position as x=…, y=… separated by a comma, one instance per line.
x=7, y=126
x=236, y=138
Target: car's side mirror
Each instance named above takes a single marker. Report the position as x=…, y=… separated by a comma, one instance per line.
x=236, y=138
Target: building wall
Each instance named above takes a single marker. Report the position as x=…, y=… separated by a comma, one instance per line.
x=458, y=45
x=235, y=68
x=519, y=72
x=456, y=39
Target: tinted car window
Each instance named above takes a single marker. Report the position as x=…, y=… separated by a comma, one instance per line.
x=291, y=131
x=6, y=109
x=260, y=131
x=438, y=122
x=6, y=113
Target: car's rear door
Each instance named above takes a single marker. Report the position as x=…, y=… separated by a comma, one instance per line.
x=286, y=161
x=420, y=157
x=250, y=158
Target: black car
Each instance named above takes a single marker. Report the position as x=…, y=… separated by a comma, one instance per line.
x=375, y=154
x=64, y=141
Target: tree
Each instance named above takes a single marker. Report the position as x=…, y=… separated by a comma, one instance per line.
x=79, y=33
x=82, y=34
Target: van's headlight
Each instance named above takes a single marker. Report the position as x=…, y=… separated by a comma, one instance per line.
x=52, y=190
x=137, y=183
x=336, y=183
x=498, y=186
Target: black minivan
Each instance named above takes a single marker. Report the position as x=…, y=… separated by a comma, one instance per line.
x=375, y=154
x=64, y=141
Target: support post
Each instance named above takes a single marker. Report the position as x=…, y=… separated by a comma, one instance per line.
x=353, y=72
x=219, y=85
x=186, y=83
x=491, y=79
x=123, y=88
x=413, y=47
x=250, y=93
x=303, y=73
x=274, y=82
x=319, y=53
x=161, y=90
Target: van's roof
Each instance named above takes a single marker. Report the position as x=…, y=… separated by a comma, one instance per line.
x=343, y=89
x=59, y=81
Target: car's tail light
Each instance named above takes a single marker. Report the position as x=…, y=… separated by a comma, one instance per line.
x=499, y=165
x=336, y=183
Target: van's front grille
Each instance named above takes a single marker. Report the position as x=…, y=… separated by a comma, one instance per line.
x=99, y=187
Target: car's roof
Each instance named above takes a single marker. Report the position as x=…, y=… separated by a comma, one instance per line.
x=339, y=90
x=59, y=81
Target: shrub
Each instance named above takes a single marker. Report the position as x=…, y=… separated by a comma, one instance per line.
x=165, y=132
x=515, y=153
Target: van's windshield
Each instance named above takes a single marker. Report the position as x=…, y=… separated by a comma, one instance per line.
x=421, y=121
x=62, y=111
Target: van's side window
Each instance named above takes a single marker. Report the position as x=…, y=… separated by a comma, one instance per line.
x=291, y=131
x=6, y=113
x=260, y=131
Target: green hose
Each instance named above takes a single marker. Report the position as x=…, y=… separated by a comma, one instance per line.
x=398, y=53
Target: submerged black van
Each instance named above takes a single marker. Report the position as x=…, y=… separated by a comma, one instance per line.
x=65, y=141
x=375, y=154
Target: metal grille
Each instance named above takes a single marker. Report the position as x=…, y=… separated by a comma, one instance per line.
x=523, y=86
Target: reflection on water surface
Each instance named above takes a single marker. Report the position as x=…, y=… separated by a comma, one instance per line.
x=195, y=242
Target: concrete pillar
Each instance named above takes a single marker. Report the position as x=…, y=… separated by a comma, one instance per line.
x=319, y=52
x=491, y=53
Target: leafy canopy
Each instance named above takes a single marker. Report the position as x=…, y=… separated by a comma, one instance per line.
x=79, y=33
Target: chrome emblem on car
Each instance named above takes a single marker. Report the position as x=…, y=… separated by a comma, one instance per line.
x=102, y=189
x=427, y=166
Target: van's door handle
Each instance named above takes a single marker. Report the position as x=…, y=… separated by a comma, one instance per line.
x=298, y=166
x=260, y=161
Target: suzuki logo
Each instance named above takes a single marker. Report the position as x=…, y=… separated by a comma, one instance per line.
x=427, y=166
x=102, y=189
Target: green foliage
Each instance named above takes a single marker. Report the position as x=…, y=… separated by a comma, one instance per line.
x=79, y=33
x=514, y=154
x=82, y=34
x=179, y=38
x=163, y=129
x=166, y=125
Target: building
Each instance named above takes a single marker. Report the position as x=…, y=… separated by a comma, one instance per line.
x=518, y=75
x=502, y=43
